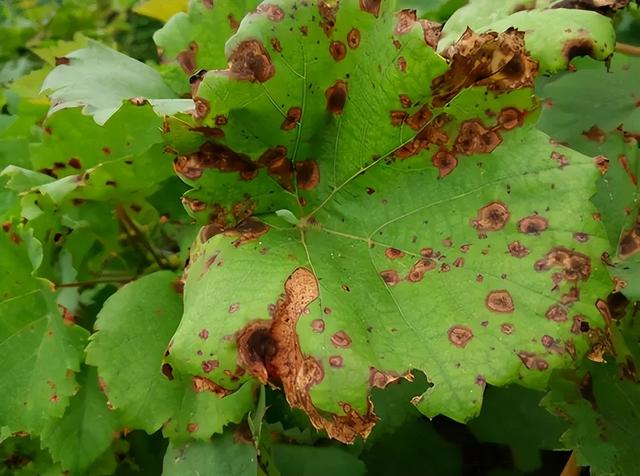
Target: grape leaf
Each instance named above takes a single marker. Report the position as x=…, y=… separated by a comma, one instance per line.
x=602, y=410
x=41, y=351
x=553, y=36
x=189, y=40
x=604, y=121
x=418, y=243
x=145, y=397
x=221, y=456
x=99, y=79
x=85, y=431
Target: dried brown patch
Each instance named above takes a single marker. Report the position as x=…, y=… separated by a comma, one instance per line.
x=510, y=118
x=250, y=61
x=474, y=138
x=402, y=63
x=336, y=96
x=317, y=325
x=420, y=267
x=595, y=134
x=405, y=20
x=293, y=118
x=187, y=58
x=215, y=156
x=371, y=6
x=557, y=313
x=500, y=301
x=276, y=45
x=420, y=118
x=247, y=230
x=390, y=276
x=203, y=384
x=445, y=162
x=431, y=32
x=393, y=253
x=630, y=241
x=495, y=60
x=492, y=217
x=353, y=38
x=327, y=12
x=272, y=12
x=278, y=166
x=460, y=335
x=338, y=50
x=201, y=109
x=270, y=351
x=533, y=225
x=506, y=328
x=517, y=249
x=341, y=339
x=307, y=174
x=533, y=361
x=575, y=266
x=578, y=47
x=381, y=379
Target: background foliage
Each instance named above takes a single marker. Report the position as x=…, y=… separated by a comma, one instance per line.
x=107, y=289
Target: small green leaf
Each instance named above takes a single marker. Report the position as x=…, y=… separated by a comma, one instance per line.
x=99, y=79
x=222, y=456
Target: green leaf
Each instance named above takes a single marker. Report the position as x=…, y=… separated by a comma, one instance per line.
x=602, y=410
x=604, y=121
x=220, y=456
x=517, y=408
x=85, y=431
x=133, y=330
x=190, y=40
x=99, y=79
x=553, y=37
x=419, y=245
x=161, y=10
x=41, y=351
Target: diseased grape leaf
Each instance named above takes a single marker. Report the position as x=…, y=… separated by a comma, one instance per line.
x=437, y=230
x=221, y=456
x=41, y=350
x=133, y=330
x=85, y=431
x=602, y=410
x=552, y=36
x=189, y=40
x=99, y=79
x=604, y=121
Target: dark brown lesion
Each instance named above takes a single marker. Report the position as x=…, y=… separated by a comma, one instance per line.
x=250, y=61
x=573, y=266
x=500, y=301
x=533, y=225
x=460, y=335
x=270, y=351
x=336, y=96
x=630, y=241
x=187, y=59
x=492, y=217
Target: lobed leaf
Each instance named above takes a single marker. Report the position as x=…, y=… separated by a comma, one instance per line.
x=418, y=245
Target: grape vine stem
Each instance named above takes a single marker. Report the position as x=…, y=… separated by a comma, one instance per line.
x=627, y=49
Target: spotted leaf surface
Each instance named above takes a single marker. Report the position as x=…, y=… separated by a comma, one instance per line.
x=435, y=230
x=553, y=36
x=41, y=349
x=151, y=395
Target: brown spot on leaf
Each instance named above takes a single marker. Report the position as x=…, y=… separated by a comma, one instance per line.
x=495, y=60
x=338, y=50
x=167, y=371
x=202, y=384
x=517, y=249
x=431, y=31
x=371, y=6
x=293, y=117
x=201, y=108
x=317, y=325
x=275, y=43
x=402, y=63
x=420, y=118
x=234, y=307
x=416, y=273
x=353, y=38
x=460, y=335
x=336, y=96
x=578, y=47
x=575, y=266
x=215, y=156
x=393, y=253
x=506, y=328
x=187, y=58
x=75, y=163
x=272, y=12
x=532, y=361
x=247, y=230
x=278, y=166
x=492, y=217
x=341, y=339
x=594, y=134
x=209, y=365
x=474, y=138
x=445, y=162
x=307, y=174
x=397, y=118
x=327, y=12
x=499, y=301
x=390, y=276
x=336, y=361
x=533, y=225
x=250, y=61
x=405, y=20
x=203, y=334
x=557, y=313
x=270, y=351
x=581, y=237
x=510, y=118
x=59, y=60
